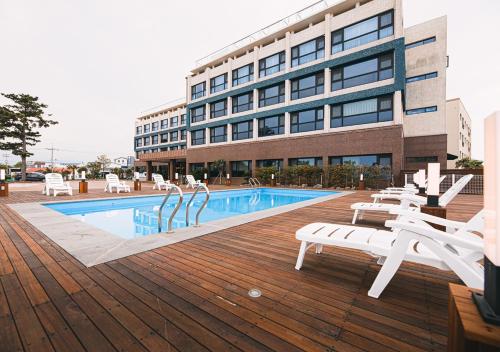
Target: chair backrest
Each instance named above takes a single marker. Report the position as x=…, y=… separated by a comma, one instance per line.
x=158, y=178
x=54, y=179
x=112, y=178
x=455, y=189
x=190, y=179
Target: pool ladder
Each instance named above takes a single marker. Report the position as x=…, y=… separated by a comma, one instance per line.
x=171, y=188
x=254, y=182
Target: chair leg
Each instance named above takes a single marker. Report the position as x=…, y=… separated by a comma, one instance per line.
x=355, y=216
x=319, y=248
x=391, y=265
x=302, y=253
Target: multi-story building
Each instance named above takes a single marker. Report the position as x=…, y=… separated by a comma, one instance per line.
x=345, y=82
x=459, y=131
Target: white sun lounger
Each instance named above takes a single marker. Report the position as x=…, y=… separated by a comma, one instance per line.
x=160, y=183
x=54, y=182
x=407, y=189
x=191, y=182
x=113, y=182
x=407, y=200
x=411, y=239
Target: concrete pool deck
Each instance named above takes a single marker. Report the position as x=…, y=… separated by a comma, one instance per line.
x=92, y=246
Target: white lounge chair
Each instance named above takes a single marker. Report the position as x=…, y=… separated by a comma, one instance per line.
x=407, y=189
x=407, y=200
x=160, y=183
x=411, y=239
x=191, y=182
x=113, y=182
x=54, y=182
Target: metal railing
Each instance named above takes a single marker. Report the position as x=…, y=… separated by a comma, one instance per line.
x=207, y=197
x=254, y=182
x=176, y=209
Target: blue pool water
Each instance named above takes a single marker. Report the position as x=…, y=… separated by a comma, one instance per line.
x=138, y=216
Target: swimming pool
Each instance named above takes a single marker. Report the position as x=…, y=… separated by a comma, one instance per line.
x=134, y=217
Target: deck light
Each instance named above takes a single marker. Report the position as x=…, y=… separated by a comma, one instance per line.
x=433, y=184
x=489, y=302
x=421, y=181
x=83, y=175
x=176, y=176
x=227, y=176
x=2, y=174
x=272, y=176
x=205, y=176
x=361, y=177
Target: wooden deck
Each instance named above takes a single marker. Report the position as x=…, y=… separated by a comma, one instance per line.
x=192, y=296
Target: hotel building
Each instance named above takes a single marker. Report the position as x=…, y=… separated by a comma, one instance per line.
x=458, y=124
x=329, y=84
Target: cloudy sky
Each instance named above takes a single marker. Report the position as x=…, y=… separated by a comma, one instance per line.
x=97, y=64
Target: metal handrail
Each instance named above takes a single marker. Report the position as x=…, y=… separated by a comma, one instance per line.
x=207, y=192
x=171, y=188
x=254, y=182
x=250, y=182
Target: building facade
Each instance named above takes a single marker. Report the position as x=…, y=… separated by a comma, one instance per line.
x=459, y=131
x=346, y=83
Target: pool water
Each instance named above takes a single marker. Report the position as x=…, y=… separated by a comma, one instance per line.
x=138, y=216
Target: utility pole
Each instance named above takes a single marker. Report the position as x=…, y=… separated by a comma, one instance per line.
x=6, y=156
x=52, y=149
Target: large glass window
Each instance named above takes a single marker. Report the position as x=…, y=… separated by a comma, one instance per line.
x=272, y=95
x=420, y=42
x=362, y=160
x=164, y=137
x=315, y=161
x=198, y=114
x=307, y=120
x=308, y=86
x=213, y=170
x=164, y=124
x=218, y=134
x=154, y=126
x=272, y=64
x=422, y=77
x=241, y=168
x=138, y=142
x=277, y=163
x=363, y=72
x=218, y=109
x=147, y=128
x=309, y=51
x=369, y=30
x=174, y=121
x=198, y=90
x=421, y=110
x=154, y=139
x=196, y=166
x=242, y=130
x=138, y=130
x=183, y=119
x=361, y=112
x=272, y=125
x=174, y=136
x=183, y=135
x=198, y=137
x=218, y=83
x=243, y=74
x=243, y=102
x=147, y=141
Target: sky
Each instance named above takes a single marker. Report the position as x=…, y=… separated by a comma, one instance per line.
x=98, y=64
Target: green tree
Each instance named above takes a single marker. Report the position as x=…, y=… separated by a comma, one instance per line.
x=72, y=168
x=468, y=163
x=19, y=124
x=104, y=161
x=94, y=168
x=220, y=166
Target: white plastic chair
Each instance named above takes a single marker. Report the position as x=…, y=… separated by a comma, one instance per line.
x=191, y=182
x=54, y=182
x=160, y=183
x=113, y=182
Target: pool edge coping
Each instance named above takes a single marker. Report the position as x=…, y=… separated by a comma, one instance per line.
x=91, y=245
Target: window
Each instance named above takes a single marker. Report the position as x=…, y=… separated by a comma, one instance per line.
x=241, y=168
x=174, y=121
x=363, y=160
x=272, y=125
x=367, y=71
x=183, y=119
x=183, y=135
x=196, y=166
x=164, y=138
x=218, y=134
x=154, y=126
x=198, y=114
x=242, y=130
x=147, y=141
x=218, y=108
x=316, y=161
x=421, y=77
x=138, y=130
x=362, y=111
x=174, y=136
x=421, y=110
x=307, y=120
x=420, y=42
x=363, y=32
x=147, y=128
x=309, y=51
x=138, y=142
x=174, y=147
x=218, y=83
x=198, y=90
x=164, y=124
x=308, y=86
x=421, y=159
x=154, y=139
x=182, y=146
x=243, y=102
x=272, y=95
x=272, y=64
x=198, y=137
x=243, y=75
x=213, y=170
x=277, y=163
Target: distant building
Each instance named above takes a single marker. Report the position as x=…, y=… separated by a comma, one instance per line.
x=458, y=125
x=122, y=162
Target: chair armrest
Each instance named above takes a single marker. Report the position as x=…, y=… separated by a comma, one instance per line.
x=428, y=218
x=408, y=197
